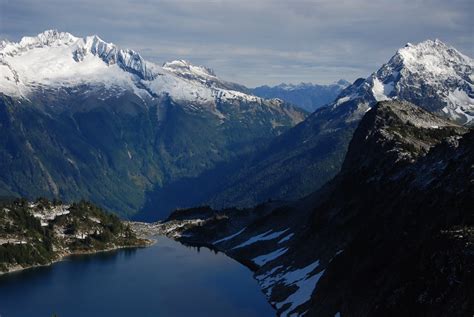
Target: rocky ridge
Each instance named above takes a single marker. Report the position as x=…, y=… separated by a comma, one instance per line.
x=430, y=74
x=391, y=234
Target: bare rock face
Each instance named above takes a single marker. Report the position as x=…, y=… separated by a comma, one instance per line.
x=400, y=133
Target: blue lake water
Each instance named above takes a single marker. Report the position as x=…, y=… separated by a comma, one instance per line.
x=166, y=279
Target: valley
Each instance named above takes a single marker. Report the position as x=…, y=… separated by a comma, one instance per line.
x=346, y=199
x=122, y=126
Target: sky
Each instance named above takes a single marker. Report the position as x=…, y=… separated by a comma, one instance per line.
x=254, y=42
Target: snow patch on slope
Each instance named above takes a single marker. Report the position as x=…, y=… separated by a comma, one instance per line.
x=55, y=67
x=381, y=91
x=186, y=69
x=286, y=238
x=265, y=258
x=462, y=103
x=49, y=214
x=305, y=279
x=229, y=237
x=261, y=237
x=302, y=295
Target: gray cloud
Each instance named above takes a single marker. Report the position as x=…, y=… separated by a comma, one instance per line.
x=259, y=41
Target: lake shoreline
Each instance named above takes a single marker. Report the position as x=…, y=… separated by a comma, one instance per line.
x=179, y=281
x=62, y=256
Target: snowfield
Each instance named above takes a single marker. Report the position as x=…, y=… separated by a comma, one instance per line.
x=58, y=60
x=305, y=279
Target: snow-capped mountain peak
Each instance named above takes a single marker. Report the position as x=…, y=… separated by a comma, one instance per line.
x=96, y=46
x=185, y=69
x=46, y=38
x=204, y=75
x=59, y=60
x=433, y=58
x=127, y=59
x=50, y=37
x=430, y=74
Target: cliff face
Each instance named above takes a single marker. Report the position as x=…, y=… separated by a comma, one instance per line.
x=391, y=234
x=402, y=205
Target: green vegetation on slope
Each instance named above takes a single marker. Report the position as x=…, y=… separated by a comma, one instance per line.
x=41, y=232
x=113, y=152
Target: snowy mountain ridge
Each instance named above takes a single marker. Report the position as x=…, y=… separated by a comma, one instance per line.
x=430, y=74
x=66, y=96
x=186, y=69
x=340, y=83
x=55, y=59
x=46, y=38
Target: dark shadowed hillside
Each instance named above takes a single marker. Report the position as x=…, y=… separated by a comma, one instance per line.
x=392, y=234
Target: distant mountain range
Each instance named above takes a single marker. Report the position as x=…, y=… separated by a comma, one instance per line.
x=82, y=118
x=308, y=96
